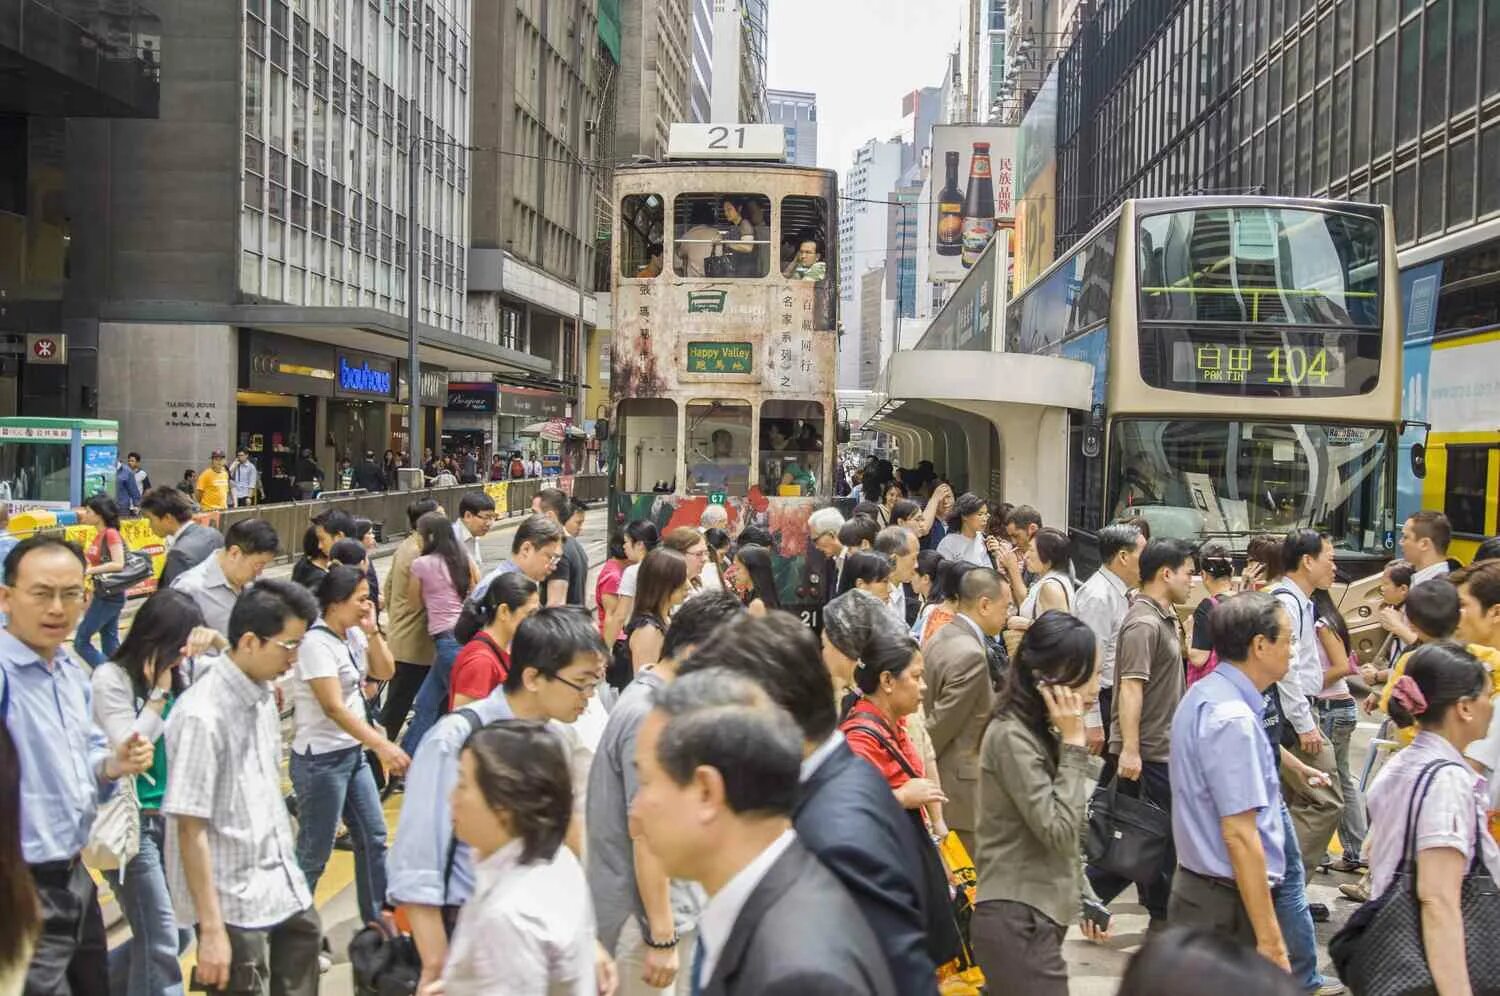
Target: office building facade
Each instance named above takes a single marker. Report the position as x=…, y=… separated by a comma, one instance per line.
x=863, y=222
x=654, y=88
x=797, y=113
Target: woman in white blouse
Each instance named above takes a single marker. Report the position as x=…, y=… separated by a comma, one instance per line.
x=528, y=929
x=1446, y=693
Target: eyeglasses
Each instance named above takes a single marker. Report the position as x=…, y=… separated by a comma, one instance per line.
x=290, y=646
x=46, y=596
x=586, y=690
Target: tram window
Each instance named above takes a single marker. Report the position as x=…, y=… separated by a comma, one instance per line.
x=718, y=446
x=1465, y=486
x=722, y=235
x=641, y=235
x=648, y=445
x=791, y=447
x=804, y=238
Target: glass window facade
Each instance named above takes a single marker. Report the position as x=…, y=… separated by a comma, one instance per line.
x=1353, y=99
x=334, y=94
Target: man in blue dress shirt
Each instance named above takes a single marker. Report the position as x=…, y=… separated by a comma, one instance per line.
x=1226, y=813
x=67, y=767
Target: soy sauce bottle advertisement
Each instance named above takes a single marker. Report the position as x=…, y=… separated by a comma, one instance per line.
x=950, y=225
x=979, y=206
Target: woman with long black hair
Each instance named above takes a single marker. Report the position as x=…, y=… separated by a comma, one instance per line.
x=105, y=555
x=440, y=578
x=486, y=629
x=133, y=694
x=754, y=581
x=641, y=537
x=310, y=570
x=1034, y=778
x=663, y=586
x=329, y=770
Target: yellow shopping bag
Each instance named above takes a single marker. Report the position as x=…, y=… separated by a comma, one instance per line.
x=961, y=976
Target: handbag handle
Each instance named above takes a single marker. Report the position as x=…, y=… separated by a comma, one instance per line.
x=1414, y=811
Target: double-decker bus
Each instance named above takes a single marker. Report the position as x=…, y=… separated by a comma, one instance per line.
x=1247, y=371
x=724, y=343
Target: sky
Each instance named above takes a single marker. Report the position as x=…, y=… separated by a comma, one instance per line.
x=860, y=57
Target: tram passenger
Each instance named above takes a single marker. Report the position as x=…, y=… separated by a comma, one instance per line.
x=652, y=266
x=696, y=243
x=724, y=470
x=738, y=242
x=807, y=264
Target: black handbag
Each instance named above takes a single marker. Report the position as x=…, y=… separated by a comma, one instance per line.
x=1379, y=952
x=720, y=264
x=1128, y=836
x=138, y=567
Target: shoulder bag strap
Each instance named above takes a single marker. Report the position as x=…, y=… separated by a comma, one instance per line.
x=475, y=723
x=879, y=737
x=1414, y=811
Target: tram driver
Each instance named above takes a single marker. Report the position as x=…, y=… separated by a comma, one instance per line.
x=723, y=471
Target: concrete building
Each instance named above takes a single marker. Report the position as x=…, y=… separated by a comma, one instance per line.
x=797, y=113
x=872, y=345
x=920, y=110
x=862, y=240
x=702, y=63
x=902, y=248
x=542, y=78
x=740, y=29
x=656, y=39
x=60, y=75
x=982, y=47
x=244, y=257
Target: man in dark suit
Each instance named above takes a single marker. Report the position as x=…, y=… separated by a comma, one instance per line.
x=846, y=814
x=189, y=543
x=959, y=696
x=718, y=763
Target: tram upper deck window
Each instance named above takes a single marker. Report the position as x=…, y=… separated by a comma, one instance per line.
x=791, y=447
x=718, y=446
x=1261, y=265
x=804, y=238
x=641, y=235
x=722, y=235
x=648, y=445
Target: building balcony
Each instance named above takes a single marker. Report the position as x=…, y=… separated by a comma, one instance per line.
x=79, y=58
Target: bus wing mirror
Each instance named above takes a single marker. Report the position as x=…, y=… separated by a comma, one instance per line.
x=1418, y=460
x=601, y=429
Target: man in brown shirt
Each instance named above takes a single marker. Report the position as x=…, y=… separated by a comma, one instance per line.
x=406, y=626
x=959, y=696
x=1150, y=678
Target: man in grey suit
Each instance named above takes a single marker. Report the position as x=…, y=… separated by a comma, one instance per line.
x=959, y=696
x=718, y=771
x=189, y=544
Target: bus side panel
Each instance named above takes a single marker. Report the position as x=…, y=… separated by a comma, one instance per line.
x=1463, y=405
x=801, y=571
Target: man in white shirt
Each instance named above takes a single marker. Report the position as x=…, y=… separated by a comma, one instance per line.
x=776, y=919
x=244, y=479
x=899, y=544
x=1424, y=544
x=476, y=514
x=1101, y=602
x=1307, y=556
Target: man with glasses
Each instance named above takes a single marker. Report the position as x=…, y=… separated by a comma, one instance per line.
x=67, y=766
x=476, y=514
x=233, y=872
x=566, y=584
x=557, y=663
x=534, y=551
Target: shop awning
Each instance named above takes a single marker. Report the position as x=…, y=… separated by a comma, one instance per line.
x=555, y=430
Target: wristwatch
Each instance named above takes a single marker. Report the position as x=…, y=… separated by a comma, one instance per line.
x=157, y=695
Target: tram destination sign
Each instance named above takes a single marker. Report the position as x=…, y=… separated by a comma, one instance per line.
x=719, y=357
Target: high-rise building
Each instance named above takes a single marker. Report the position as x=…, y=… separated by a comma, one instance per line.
x=654, y=88
x=797, y=113
x=920, y=110
x=740, y=30
x=982, y=46
x=863, y=221
x=246, y=255
x=73, y=61
x=902, y=249
x=542, y=74
x=701, y=84
x=872, y=325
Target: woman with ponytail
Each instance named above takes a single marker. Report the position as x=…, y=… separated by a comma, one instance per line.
x=487, y=627
x=1034, y=783
x=1445, y=694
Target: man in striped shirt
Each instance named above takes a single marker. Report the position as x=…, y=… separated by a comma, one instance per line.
x=232, y=861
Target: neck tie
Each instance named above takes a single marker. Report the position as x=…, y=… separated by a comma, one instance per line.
x=697, y=968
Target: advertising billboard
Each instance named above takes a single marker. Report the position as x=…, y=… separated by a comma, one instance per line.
x=974, y=173
x=1036, y=213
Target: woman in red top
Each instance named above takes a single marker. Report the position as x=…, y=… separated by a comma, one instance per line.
x=482, y=664
x=105, y=555
x=607, y=584
x=889, y=676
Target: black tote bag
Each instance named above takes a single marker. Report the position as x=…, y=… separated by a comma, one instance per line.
x=1128, y=836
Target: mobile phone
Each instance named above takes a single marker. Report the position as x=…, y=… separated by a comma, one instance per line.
x=1097, y=914
x=244, y=977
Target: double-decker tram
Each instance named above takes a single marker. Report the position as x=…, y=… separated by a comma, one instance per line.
x=724, y=343
x=1247, y=371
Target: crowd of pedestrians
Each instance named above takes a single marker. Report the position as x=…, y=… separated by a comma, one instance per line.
x=679, y=788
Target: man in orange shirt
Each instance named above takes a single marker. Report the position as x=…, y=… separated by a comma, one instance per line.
x=212, y=489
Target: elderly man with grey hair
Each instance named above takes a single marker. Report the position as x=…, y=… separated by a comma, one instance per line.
x=823, y=533
x=901, y=545
x=713, y=517
x=718, y=765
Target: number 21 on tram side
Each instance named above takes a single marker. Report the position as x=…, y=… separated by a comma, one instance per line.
x=724, y=345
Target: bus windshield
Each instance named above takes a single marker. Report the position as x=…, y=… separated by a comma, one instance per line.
x=1198, y=478
x=1276, y=266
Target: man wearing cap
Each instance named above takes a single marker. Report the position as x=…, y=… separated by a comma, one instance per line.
x=212, y=489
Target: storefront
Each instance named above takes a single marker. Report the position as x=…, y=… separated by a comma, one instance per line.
x=521, y=408
x=434, y=398
x=469, y=418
